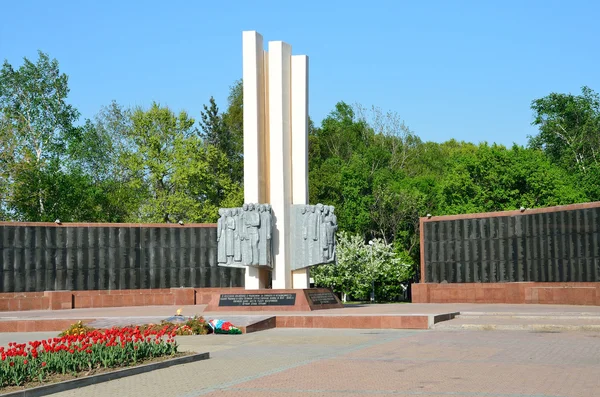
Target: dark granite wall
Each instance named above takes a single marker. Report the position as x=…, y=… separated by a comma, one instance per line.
x=49, y=258
x=561, y=246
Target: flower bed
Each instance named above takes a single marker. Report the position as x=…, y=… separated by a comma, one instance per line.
x=89, y=350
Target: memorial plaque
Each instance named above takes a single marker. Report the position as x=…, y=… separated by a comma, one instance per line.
x=280, y=299
x=322, y=298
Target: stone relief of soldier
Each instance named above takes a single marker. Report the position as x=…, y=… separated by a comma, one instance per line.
x=244, y=236
x=314, y=235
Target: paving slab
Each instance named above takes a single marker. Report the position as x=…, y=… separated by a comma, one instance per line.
x=316, y=362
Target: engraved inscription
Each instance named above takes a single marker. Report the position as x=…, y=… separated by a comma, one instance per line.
x=257, y=299
x=322, y=298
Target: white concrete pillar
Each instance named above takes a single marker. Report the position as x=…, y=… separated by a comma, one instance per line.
x=280, y=181
x=301, y=277
x=255, y=177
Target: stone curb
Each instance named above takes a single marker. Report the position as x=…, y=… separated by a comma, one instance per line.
x=520, y=327
x=95, y=379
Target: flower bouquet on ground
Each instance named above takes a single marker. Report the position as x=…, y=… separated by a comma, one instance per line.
x=223, y=327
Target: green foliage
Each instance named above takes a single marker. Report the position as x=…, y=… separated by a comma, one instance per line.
x=493, y=178
x=361, y=266
x=568, y=134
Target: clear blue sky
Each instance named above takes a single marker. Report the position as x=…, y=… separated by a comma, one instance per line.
x=451, y=69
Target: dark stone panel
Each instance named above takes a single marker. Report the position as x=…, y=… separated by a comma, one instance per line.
x=22, y=279
x=123, y=237
x=18, y=240
x=163, y=236
x=441, y=250
x=48, y=237
x=473, y=229
x=596, y=269
x=60, y=239
x=145, y=278
x=474, y=250
x=103, y=278
x=193, y=276
x=510, y=227
x=503, y=227
x=494, y=227
x=212, y=246
x=70, y=238
x=37, y=281
x=486, y=254
x=484, y=272
x=8, y=259
x=83, y=237
x=579, y=224
x=587, y=271
x=441, y=270
x=28, y=236
x=458, y=272
x=174, y=237
x=70, y=258
x=203, y=248
x=444, y=232
x=458, y=230
x=50, y=279
x=39, y=259
x=209, y=276
x=529, y=223
x=550, y=249
x=113, y=237
x=27, y=259
x=154, y=278
x=435, y=230
x=466, y=256
x=450, y=271
x=136, y=237
x=587, y=245
x=81, y=279
x=175, y=278
x=172, y=259
x=8, y=281
x=458, y=250
x=101, y=237
x=484, y=228
x=519, y=226
x=427, y=251
x=60, y=283
x=92, y=237
x=93, y=278
x=578, y=240
x=19, y=258
x=225, y=279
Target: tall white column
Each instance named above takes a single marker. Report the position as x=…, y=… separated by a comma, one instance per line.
x=301, y=277
x=280, y=181
x=255, y=176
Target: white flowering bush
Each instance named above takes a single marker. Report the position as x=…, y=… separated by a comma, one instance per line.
x=361, y=266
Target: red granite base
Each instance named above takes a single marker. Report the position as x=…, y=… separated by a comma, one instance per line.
x=60, y=300
x=526, y=292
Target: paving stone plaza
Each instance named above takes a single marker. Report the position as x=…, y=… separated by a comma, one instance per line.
x=489, y=350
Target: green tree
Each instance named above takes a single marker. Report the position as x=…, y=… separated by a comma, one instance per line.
x=37, y=133
x=568, y=134
x=493, y=178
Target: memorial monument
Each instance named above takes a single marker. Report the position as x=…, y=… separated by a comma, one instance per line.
x=276, y=230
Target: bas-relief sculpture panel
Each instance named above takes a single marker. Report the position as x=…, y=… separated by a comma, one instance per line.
x=313, y=235
x=244, y=236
